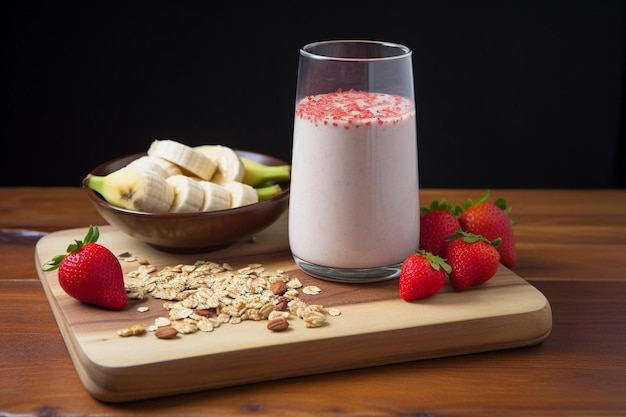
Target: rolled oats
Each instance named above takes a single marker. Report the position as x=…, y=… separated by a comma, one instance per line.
x=125, y=332
x=313, y=318
x=333, y=311
x=162, y=321
x=204, y=324
x=184, y=326
x=275, y=314
x=311, y=290
x=204, y=295
x=134, y=330
x=179, y=312
x=294, y=283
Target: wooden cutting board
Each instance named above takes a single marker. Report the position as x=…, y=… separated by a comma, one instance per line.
x=375, y=327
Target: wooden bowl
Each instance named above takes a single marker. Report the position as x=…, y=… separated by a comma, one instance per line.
x=192, y=232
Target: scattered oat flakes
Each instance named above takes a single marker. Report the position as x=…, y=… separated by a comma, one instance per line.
x=204, y=295
x=311, y=290
x=204, y=324
x=134, y=330
x=124, y=332
x=162, y=321
x=143, y=309
x=313, y=318
x=294, y=283
x=278, y=315
x=333, y=311
x=184, y=327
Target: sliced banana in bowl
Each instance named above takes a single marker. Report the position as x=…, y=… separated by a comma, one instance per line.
x=229, y=168
x=197, y=218
x=191, y=161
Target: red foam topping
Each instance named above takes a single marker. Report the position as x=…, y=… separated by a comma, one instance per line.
x=353, y=108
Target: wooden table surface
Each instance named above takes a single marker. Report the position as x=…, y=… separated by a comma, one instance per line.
x=571, y=245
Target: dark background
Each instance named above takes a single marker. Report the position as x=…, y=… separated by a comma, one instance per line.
x=509, y=94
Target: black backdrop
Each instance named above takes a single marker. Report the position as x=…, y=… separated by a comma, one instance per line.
x=509, y=94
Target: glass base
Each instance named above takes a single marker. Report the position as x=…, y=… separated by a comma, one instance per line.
x=350, y=275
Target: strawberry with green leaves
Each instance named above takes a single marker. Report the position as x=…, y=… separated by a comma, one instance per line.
x=491, y=220
x=91, y=273
x=437, y=223
x=474, y=259
x=422, y=275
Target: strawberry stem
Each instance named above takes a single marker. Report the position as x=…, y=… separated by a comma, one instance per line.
x=499, y=202
x=91, y=237
x=435, y=261
x=92, y=234
x=469, y=202
x=472, y=238
x=437, y=205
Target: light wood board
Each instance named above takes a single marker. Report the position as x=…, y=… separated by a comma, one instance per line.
x=376, y=327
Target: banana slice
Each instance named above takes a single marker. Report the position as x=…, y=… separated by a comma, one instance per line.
x=189, y=194
x=169, y=167
x=134, y=189
x=189, y=160
x=159, y=165
x=241, y=194
x=216, y=197
x=229, y=166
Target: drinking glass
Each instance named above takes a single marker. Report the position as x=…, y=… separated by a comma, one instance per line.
x=354, y=202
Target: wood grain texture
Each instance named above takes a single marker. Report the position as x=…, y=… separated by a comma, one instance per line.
x=504, y=313
x=569, y=245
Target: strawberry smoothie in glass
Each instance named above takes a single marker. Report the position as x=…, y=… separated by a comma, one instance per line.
x=354, y=202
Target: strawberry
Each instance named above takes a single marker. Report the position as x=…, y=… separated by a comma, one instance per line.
x=437, y=223
x=91, y=273
x=474, y=259
x=491, y=220
x=422, y=275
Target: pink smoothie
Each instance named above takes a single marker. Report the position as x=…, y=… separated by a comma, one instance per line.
x=354, y=199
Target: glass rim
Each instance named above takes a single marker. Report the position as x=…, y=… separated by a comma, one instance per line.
x=405, y=51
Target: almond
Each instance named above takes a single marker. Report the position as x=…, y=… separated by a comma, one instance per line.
x=278, y=287
x=202, y=312
x=165, y=332
x=278, y=325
